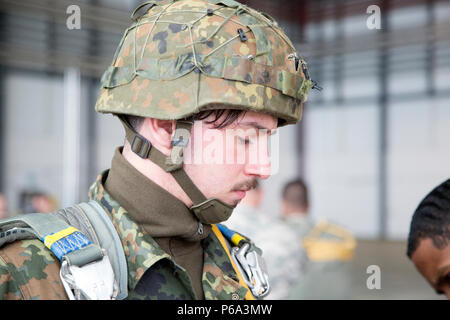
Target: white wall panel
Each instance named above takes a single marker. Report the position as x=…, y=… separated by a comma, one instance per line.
x=33, y=144
x=419, y=157
x=341, y=167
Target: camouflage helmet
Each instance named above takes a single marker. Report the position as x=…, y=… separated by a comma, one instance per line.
x=182, y=57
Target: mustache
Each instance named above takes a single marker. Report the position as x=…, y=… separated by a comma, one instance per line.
x=248, y=185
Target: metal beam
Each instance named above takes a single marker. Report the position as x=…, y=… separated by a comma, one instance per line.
x=431, y=50
x=2, y=126
x=383, y=123
x=338, y=55
x=91, y=143
x=71, y=141
x=2, y=110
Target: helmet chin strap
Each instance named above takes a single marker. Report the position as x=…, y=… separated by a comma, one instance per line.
x=208, y=211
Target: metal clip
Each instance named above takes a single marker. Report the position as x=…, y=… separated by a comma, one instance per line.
x=242, y=35
x=316, y=86
x=253, y=269
x=93, y=281
x=305, y=70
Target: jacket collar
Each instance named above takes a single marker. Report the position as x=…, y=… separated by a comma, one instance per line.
x=219, y=279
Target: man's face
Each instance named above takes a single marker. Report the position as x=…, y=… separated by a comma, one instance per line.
x=224, y=163
x=434, y=265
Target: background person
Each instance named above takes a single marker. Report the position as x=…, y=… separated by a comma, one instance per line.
x=429, y=238
x=295, y=207
x=328, y=248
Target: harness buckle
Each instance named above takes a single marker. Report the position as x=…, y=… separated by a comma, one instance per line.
x=253, y=269
x=93, y=281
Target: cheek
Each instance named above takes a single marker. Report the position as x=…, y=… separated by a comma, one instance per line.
x=212, y=168
x=214, y=181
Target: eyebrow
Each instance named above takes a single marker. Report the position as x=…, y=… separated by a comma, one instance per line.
x=257, y=126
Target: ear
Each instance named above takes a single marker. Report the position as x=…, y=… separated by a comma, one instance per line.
x=159, y=133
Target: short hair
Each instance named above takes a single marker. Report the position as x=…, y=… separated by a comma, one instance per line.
x=295, y=193
x=230, y=115
x=431, y=219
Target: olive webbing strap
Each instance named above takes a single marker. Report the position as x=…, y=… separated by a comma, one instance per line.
x=188, y=186
x=142, y=147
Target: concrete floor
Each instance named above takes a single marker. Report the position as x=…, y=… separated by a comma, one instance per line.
x=399, y=278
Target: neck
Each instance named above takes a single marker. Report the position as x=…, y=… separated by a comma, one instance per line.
x=155, y=173
x=154, y=208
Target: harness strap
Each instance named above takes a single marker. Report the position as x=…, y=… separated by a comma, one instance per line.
x=86, y=271
x=110, y=241
x=64, y=241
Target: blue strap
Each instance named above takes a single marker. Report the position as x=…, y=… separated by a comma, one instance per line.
x=234, y=237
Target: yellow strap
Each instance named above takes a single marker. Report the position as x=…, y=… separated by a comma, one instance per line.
x=215, y=229
x=52, y=238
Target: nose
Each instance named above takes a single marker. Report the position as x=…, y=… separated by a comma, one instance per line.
x=262, y=172
x=258, y=165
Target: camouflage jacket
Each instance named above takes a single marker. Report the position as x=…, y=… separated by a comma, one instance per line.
x=28, y=270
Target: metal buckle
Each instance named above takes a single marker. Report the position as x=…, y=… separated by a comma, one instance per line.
x=179, y=142
x=253, y=269
x=144, y=142
x=93, y=281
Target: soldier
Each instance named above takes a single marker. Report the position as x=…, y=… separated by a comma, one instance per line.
x=295, y=207
x=429, y=238
x=184, y=71
x=328, y=248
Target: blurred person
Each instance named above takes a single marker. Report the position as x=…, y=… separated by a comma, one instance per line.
x=283, y=254
x=3, y=206
x=295, y=207
x=42, y=203
x=170, y=91
x=328, y=248
x=429, y=238
x=31, y=201
x=25, y=201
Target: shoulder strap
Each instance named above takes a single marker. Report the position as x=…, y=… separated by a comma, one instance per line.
x=85, y=272
x=62, y=239
x=92, y=220
x=79, y=236
x=109, y=240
